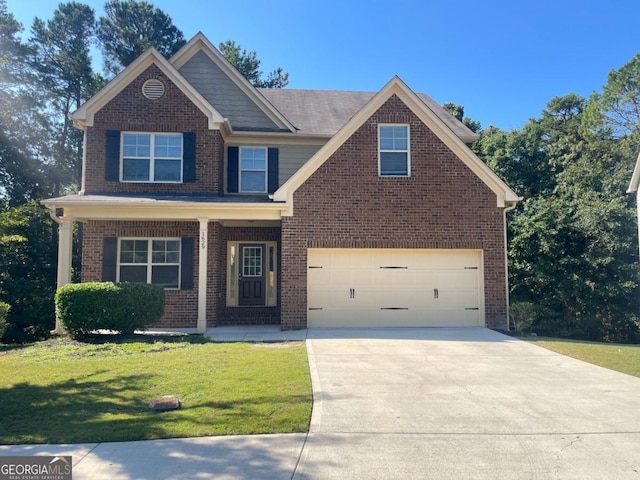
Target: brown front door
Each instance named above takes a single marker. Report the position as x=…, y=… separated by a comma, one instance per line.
x=252, y=274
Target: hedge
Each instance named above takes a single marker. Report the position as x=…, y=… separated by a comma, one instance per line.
x=120, y=307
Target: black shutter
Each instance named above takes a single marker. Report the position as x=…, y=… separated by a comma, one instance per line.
x=189, y=157
x=273, y=170
x=109, y=259
x=186, y=265
x=112, y=160
x=233, y=161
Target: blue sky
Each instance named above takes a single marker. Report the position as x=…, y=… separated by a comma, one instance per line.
x=502, y=60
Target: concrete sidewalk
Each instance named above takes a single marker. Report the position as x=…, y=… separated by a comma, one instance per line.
x=223, y=458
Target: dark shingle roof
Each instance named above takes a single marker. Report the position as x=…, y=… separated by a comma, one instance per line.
x=324, y=112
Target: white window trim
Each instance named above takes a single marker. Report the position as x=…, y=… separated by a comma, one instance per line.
x=266, y=169
x=151, y=157
x=408, y=150
x=150, y=263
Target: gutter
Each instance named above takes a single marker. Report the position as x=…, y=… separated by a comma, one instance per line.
x=510, y=207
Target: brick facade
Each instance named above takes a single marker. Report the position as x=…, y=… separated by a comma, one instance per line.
x=181, y=306
x=345, y=204
x=172, y=113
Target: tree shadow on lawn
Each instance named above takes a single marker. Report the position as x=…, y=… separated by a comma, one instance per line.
x=117, y=410
x=78, y=411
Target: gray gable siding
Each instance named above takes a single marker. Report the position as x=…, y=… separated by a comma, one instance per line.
x=225, y=96
x=292, y=157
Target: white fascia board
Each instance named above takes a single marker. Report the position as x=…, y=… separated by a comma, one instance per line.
x=84, y=115
x=186, y=211
x=396, y=86
x=635, y=178
x=201, y=42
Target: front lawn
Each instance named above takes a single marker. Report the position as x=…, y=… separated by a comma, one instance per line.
x=623, y=358
x=63, y=391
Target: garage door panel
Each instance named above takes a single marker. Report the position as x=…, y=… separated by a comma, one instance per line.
x=402, y=287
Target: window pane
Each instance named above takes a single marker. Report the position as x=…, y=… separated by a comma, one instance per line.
x=253, y=159
x=165, y=275
x=392, y=163
x=136, y=144
x=133, y=273
x=168, y=146
x=167, y=170
x=252, y=182
x=393, y=137
x=134, y=170
x=133, y=251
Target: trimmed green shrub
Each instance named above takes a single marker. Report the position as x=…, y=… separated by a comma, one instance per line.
x=4, y=311
x=121, y=307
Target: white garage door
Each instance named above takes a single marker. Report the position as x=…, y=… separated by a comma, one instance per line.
x=394, y=288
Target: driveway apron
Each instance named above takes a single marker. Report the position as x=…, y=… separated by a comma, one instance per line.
x=464, y=403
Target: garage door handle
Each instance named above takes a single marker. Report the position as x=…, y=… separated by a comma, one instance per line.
x=435, y=293
x=352, y=293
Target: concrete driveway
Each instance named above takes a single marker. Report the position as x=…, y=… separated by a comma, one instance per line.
x=464, y=403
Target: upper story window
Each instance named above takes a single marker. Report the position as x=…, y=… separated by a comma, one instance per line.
x=150, y=260
x=393, y=150
x=152, y=157
x=253, y=170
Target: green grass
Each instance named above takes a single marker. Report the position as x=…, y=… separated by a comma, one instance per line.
x=63, y=391
x=622, y=358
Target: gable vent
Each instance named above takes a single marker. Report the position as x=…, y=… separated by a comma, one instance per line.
x=153, y=89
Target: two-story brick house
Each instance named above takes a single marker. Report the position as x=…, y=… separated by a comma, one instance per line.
x=291, y=207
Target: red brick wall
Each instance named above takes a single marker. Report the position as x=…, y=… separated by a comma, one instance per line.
x=181, y=306
x=345, y=204
x=173, y=112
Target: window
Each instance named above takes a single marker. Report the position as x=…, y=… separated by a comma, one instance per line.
x=253, y=169
x=152, y=157
x=393, y=145
x=155, y=260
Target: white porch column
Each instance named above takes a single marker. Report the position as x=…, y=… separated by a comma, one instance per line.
x=203, y=257
x=65, y=243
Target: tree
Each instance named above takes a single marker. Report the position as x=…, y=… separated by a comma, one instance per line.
x=21, y=125
x=12, y=51
x=248, y=65
x=129, y=28
x=572, y=252
x=28, y=275
x=618, y=106
x=62, y=62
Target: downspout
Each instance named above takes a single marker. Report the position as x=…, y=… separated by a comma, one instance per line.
x=506, y=258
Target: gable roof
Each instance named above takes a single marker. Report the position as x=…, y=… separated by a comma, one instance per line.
x=634, y=185
x=427, y=115
x=201, y=43
x=324, y=112
x=83, y=116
